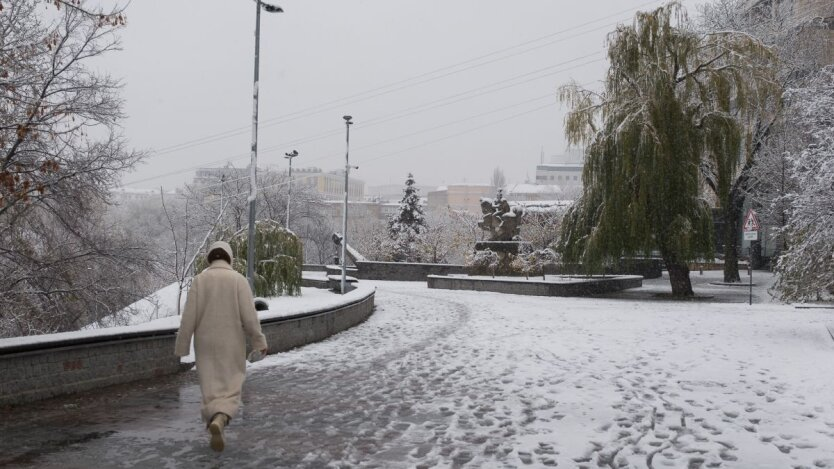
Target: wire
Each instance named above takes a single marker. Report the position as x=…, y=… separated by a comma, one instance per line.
x=375, y=92
x=480, y=91
x=440, y=102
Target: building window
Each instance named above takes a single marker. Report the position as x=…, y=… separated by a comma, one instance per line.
x=576, y=178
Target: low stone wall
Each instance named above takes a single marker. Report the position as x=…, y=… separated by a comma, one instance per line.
x=578, y=287
x=41, y=370
x=64, y=364
x=404, y=271
x=646, y=267
x=286, y=333
x=414, y=272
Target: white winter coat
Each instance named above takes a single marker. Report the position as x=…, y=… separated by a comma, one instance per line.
x=218, y=311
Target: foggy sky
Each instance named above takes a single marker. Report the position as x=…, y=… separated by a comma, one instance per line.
x=408, y=71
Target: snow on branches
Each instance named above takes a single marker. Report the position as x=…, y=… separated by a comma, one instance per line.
x=407, y=225
x=806, y=270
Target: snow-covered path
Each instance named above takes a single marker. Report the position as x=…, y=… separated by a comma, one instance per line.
x=465, y=379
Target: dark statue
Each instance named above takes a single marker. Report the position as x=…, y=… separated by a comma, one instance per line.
x=502, y=221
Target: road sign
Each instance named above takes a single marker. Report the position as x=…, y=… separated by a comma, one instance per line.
x=751, y=235
x=751, y=221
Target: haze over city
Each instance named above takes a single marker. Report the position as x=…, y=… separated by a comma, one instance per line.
x=446, y=90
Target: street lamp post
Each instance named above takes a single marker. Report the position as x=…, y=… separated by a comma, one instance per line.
x=289, y=156
x=253, y=164
x=348, y=123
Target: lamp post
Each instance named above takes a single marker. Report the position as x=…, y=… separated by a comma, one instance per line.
x=289, y=156
x=348, y=123
x=253, y=164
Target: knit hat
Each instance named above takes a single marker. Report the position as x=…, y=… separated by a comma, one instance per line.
x=224, y=246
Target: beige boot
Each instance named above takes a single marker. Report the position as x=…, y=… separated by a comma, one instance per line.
x=218, y=423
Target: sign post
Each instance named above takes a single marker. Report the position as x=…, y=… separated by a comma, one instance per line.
x=751, y=233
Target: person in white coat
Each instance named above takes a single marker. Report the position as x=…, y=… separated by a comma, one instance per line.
x=218, y=311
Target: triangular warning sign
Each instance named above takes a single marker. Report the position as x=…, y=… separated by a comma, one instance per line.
x=751, y=221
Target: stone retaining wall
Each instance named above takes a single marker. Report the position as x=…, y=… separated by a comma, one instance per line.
x=48, y=368
x=404, y=271
x=579, y=287
x=415, y=272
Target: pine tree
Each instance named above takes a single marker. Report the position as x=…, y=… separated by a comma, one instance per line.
x=674, y=101
x=407, y=225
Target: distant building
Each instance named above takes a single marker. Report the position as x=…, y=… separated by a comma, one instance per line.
x=563, y=175
x=563, y=170
x=208, y=176
x=459, y=197
x=124, y=194
x=388, y=192
x=360, y=212
x=532, y=192
x=330, y=185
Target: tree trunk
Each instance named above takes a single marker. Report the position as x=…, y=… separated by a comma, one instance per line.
x=679, y=278
x=732, y=232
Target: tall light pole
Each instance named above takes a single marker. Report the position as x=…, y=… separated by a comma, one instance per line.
x=289, y=156
x=348, y=123
x=253, y=164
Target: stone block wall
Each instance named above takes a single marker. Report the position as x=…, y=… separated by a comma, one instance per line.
x=48, y=368
x=30, y=374
x=286, y=333
x=579, y=287
x=404, y=271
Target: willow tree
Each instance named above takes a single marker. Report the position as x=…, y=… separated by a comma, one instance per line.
x=673, y=100
x=279, y=255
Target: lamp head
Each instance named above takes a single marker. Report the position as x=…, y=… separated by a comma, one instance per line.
x=291, y=154
x=270, y=8
x=347, y=119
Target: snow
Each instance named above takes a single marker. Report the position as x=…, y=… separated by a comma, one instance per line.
x=492, y=380
x=531, y=189
x=440, y=378
x=163, y=305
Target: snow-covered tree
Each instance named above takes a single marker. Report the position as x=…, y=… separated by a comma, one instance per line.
x=63, y=263
x=793, y=35
x=407, y=225
x=674, y=98
x=806, y=269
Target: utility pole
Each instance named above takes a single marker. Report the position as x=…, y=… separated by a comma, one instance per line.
x=253, y=164
x=348, y=123
x=289, y=156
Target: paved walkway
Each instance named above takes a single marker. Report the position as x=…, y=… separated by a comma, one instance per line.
x=462, y=379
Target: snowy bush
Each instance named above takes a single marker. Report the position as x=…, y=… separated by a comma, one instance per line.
x=483, y=262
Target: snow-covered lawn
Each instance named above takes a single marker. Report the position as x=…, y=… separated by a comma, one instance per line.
x=440, y=378
x=446, y=378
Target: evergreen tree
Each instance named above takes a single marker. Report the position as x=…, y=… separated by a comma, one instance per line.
x=674, y=100
x=407, y=225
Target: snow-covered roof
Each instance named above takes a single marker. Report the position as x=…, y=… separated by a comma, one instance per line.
x=532, y=189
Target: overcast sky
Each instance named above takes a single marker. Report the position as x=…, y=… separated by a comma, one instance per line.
x=445, y=89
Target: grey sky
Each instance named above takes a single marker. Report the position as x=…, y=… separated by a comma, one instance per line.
x=188, y=65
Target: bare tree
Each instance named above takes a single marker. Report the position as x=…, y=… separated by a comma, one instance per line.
x=62, y=264
x=498, y=180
